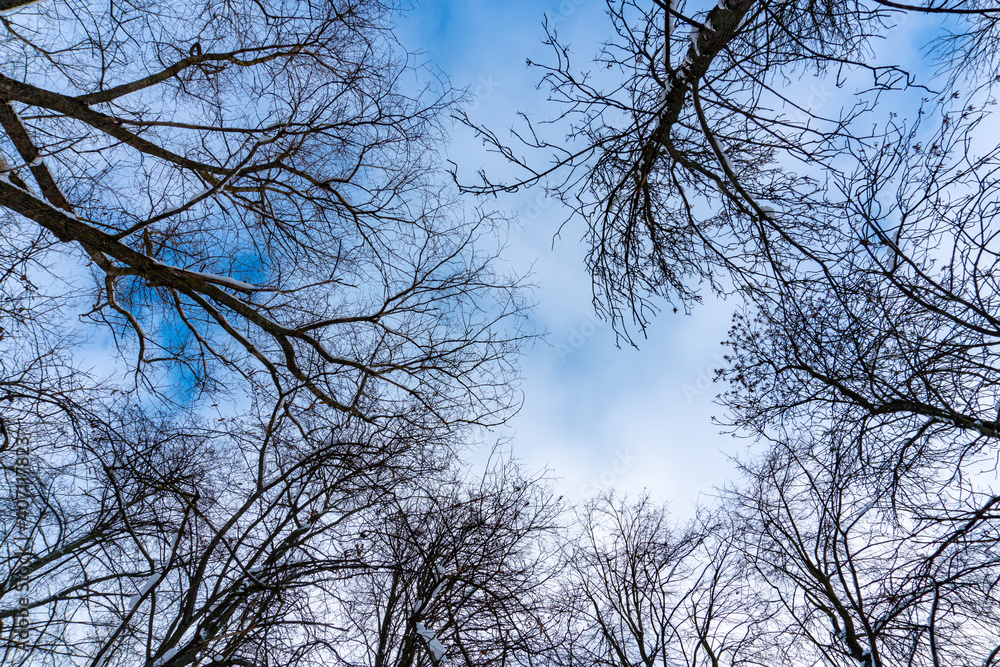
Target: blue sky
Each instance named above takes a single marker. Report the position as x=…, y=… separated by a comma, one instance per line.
x=594, y=414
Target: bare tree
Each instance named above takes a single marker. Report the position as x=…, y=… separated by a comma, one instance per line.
x=254, y=190
x=467, y=575
x=685, y=145
x=860, y=582
x=176, y=542
x=860, y=239
x=173, y=542
x=643, y=591
x=242, y=200
x=864, y=257
x=891, y=349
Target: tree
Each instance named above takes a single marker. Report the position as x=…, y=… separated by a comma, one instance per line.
x=240, y=199
x=253, y=185
x=467, y=573
x=694, y=158
x=833, y=235
x=177, y=557
x=860, y=242
x=643, y=591
x=859, y=579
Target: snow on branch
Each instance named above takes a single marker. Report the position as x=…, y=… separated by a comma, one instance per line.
x=434, y=645
x=437, y=649
x=225, y=281
x=147, y=586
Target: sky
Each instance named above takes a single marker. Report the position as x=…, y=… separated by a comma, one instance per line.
x=594, y=415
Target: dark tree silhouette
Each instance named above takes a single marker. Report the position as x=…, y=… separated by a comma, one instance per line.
x=858, y=236
x=243, y=325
